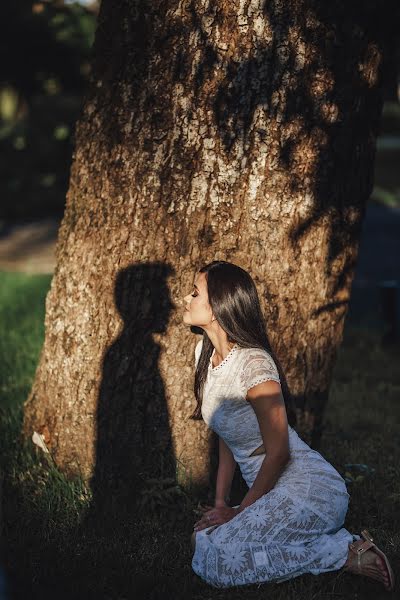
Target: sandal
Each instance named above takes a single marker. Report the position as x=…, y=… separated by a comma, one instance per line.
x=369, y=545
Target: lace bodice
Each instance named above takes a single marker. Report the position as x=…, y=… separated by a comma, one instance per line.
x=225, y=408
x=227, y=412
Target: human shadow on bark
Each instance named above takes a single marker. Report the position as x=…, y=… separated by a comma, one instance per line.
x=133, y=434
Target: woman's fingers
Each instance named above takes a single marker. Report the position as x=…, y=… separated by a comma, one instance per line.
x=201, y=511
x=201, y=526
x=213, y=518
x=203, y=523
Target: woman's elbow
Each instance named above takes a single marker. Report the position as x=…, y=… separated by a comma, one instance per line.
x=283, y=457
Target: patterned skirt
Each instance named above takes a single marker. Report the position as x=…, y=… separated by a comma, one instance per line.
x=295, y=528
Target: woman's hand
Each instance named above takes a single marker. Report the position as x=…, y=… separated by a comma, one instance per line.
x=215, y=516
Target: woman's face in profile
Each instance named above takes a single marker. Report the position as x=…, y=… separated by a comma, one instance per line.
x=197, y=309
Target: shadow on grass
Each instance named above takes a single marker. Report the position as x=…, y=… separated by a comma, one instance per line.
x=51, y=548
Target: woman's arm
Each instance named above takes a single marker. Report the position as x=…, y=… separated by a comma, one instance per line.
x=226, y=470
x=268, y=404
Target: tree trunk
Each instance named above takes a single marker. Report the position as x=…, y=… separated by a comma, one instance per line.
x=236, y=130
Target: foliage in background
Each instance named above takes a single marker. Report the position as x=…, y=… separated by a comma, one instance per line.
x=45, y=49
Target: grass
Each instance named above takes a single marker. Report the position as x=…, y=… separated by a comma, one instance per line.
x=53, y=547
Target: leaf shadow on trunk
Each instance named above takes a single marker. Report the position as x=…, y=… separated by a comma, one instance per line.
x=317, y=81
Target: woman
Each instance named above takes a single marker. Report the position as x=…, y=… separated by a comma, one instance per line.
x=290, y=521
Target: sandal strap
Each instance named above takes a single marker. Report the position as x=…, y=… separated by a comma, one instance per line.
x=359, y=549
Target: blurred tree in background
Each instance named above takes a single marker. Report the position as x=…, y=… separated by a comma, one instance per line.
x=45, y=48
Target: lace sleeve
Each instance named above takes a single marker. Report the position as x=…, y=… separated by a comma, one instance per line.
x=197, y=351
x=258, y=366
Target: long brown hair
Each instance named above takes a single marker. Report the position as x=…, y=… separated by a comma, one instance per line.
x=233, y=298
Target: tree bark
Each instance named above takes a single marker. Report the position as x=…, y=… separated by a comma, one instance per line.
x=237, y=130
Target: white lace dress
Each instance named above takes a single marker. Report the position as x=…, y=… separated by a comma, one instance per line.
x=296, y=527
